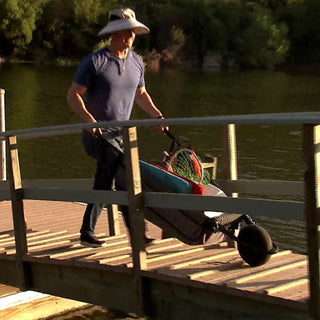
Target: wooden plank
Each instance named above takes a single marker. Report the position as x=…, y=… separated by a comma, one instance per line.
x=73, y=251
x=74, y=195
x=276, y=118
x=161, y=260
x=7, y=242
x=229, y=154
x=137, y=225
x=225, y=270
x=263, y=187
x=40, y=308
x=5, y=236
x=210, y=163
x=18, y=212
x=260, y=187
x=164, y=248
x=43, y=238
x=229, y=252
x=3, y=164
x=115, y=250
x=7, y=290
x=282, y=268
x=9, y=273
x=36, y=234
x=286, y=286
x=78, y=184
x=255, y=207
x=172, y=279
x=109, y=250
x=49, y=245
x=116, y=259
x=113, y=220
x=181, y=298
x=111, y=287
x=311, y=177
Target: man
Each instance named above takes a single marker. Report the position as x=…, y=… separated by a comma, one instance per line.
x=105, y=87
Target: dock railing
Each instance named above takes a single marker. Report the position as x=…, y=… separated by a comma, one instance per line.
x=137, y=200
x=3, y=171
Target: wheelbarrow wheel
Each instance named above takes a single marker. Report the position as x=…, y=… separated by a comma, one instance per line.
x=254, y=245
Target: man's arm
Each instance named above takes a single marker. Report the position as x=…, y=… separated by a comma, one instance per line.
x=145, y=102
x=77, y=104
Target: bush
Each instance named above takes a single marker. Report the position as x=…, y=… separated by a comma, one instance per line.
x=264, y=41
x=18, y=21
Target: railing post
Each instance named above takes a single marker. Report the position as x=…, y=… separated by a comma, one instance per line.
x=113, y=221
x=137, y=225
x=230, y=161
x=311, y=152
x=229, y=148
x=3, y=169
x=19, y=222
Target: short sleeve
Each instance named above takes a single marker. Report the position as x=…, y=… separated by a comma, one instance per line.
x=85, y=72
x=141, y=80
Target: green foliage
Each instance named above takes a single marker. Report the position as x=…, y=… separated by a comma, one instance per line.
x=227, y=29
x=70, y=27
x=265, y=40
x=18, y=21
x=252, y=33
x=200, y=24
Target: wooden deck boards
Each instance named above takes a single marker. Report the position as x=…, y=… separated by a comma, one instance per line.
x=53, y=235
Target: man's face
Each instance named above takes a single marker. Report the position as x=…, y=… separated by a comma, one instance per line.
x=124, y=39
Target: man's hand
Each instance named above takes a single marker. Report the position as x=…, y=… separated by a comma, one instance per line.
x=95, y=131
x=163, y=128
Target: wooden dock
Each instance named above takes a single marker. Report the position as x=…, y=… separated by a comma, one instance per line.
x=40, y=250
x=53, y=239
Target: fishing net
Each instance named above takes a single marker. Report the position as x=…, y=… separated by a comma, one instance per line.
x=187, y=164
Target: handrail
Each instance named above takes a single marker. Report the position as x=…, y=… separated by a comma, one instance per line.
x=309, y=124
x=3, y=170
x=264, y=118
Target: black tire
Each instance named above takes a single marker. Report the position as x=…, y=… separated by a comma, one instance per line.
x=254, y=245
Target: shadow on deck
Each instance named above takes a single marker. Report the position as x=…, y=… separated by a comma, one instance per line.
x=180, y=281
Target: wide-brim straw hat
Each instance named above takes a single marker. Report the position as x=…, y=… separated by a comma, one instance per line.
x=123, y=19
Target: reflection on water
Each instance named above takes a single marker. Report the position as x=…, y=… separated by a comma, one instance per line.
x=38, y=99
x=288, y=234
x=35, y=97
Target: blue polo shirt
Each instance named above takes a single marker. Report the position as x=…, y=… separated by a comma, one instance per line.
x=111, y=83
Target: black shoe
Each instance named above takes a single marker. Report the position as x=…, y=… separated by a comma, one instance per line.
x=91, y=241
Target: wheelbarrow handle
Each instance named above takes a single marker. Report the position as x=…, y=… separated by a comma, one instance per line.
x=169, y=134
x=173, y=138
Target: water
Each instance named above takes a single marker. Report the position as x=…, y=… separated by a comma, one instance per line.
x=36, y=97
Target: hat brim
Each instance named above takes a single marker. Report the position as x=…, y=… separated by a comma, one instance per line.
x=124, y=24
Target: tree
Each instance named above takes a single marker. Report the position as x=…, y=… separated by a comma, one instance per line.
x=18, y=21
x=70, y=27
x=264, y=41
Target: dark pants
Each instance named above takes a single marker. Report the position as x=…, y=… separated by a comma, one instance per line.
x=110, y=167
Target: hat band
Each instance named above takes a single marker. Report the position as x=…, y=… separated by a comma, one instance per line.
x=114, y=17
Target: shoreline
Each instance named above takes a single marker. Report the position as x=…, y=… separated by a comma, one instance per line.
x=70, y=62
